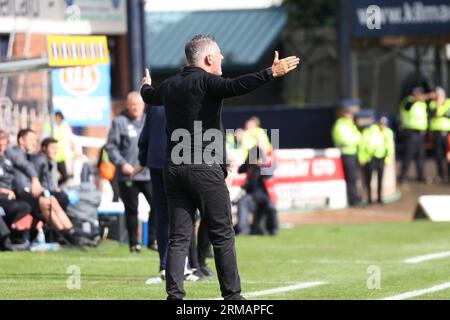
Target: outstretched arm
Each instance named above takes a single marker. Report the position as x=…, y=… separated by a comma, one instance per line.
x=225, y=88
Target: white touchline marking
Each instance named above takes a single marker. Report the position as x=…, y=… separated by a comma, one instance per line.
x=298, y=286
x=431, y=256
x=416, y=293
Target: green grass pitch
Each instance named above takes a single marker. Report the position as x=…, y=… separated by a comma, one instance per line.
x=339, y=255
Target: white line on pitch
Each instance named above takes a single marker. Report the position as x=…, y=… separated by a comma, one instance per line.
x=431, y=256
x=416, y=293
x=298, y=286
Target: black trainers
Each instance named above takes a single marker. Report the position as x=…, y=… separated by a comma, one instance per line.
x=7, y=245
x=206, y=271
x=153, y=246
x=193, y=276
x=137, y=248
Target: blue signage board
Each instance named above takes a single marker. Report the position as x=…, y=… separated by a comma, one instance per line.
x=82, y=94
x=377, y=18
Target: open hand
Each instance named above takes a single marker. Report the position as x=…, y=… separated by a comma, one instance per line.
x=284, y=66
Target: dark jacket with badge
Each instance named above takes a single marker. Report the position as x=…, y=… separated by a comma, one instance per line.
x=122, y=144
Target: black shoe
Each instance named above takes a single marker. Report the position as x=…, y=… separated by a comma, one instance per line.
x=136, y=248
x=69, y=236
x=359, y=204
x=206, y=271
x=153, y=246
x=9, y=246
x=238, y=298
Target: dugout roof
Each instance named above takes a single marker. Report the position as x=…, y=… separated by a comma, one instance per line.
x=243, y=35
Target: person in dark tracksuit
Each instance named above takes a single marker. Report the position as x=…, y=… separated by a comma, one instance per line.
x=122, y=148
x=152, y=145
x=12, y=209
x=256, y=200
x=193, y=103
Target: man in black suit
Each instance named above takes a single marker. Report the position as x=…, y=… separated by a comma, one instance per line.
x=195, y=168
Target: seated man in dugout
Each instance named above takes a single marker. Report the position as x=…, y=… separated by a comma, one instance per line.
x=46, y=167
x=27, y=187
x=12, y=211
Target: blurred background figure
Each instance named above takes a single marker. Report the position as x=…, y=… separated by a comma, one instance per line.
x=123, y=151
x=12, y=209
x=108, y=171
x=254, y=136
x=256, y=199
x=347, y=137
x=414, y=125
x=152, y=145
x=376, y=149
x=440, y=126
x=46, y=167
x=62, y=132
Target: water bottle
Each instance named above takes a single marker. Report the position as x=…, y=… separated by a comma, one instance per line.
x=40, y=239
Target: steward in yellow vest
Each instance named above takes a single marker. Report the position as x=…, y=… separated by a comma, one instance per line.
x=440, y=127
x=414, y=120
x=346, y=137
x=375, y=150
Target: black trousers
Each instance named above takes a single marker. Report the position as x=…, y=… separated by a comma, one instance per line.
x=62, y=199
x=161, y=214
x=203, y=243
x=440, y=152
x=62, y=169
x=202, y=187
x=265, y=211
x=374, y=165
x=14, y=209
x=351, y=172
x=413, y=149
x=4, y=231
x=199, y=247
x=129, y=192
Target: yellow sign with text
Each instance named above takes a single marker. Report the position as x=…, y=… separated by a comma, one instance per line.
x=71, y=51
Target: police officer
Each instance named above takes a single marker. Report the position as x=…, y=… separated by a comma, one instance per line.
x=440, y=126
x=346, y=137
x=414, y=121
x=375, y=150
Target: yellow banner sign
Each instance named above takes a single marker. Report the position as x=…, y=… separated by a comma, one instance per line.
x=70, y=51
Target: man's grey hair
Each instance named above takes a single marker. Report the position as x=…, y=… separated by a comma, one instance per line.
x=197, y=47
